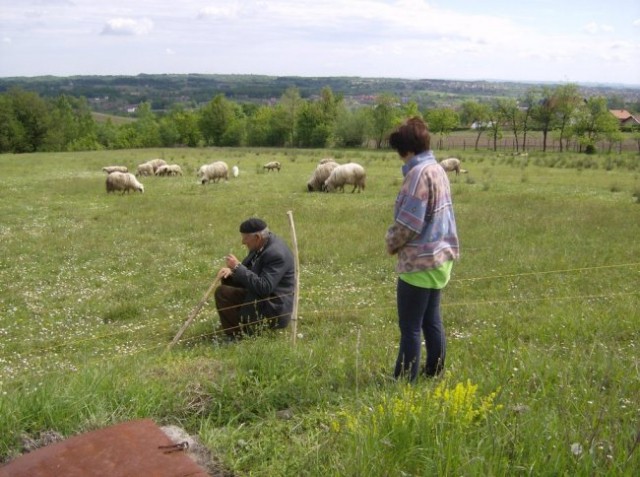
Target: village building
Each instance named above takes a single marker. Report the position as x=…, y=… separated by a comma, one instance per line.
x=627, y=120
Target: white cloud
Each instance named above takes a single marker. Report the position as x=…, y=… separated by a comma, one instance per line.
x=594, y=28
x=400, y=38
x=6, y=40
x=127, y=26
x=227, y=11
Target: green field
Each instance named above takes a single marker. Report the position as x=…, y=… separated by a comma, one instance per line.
x=543, y=364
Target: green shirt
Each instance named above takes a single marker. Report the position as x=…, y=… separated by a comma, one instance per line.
x=435, y=278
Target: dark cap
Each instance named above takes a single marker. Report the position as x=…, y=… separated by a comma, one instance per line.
x=253, y=225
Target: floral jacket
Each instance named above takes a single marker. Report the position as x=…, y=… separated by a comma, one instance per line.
x=424, y=233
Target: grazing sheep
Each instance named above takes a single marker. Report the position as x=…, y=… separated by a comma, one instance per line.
x=155, y=163
x=350, y=173
x=150, y=167
x=320, y=175
x=110, y=169
x=174, y=170
x=235, y=171
x=451, y=164
x=169, y=170
x=272, y=166
x=123, y=181
x=162, y=171
x=327, y=159
x=145, y=169
x=213, y=172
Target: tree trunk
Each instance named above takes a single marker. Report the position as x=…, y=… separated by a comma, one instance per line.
x=480, y=133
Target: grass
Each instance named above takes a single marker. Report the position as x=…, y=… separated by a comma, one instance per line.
x=542, y=315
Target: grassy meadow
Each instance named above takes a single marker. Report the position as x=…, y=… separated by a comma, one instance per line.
x=542, y=315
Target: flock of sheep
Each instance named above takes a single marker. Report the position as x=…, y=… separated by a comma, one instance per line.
x=328, y=175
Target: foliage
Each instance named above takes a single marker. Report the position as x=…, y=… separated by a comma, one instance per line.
x=594, y=121
x=65, y=123
x=476, y=115
x=384, y=117
x=566, y=100
x=215, y=119
x=442, y=122
x=351, y=127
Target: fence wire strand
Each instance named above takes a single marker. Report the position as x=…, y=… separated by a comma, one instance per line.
x=212, y=336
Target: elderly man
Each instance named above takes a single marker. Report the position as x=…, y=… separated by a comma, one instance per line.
x=257, y=292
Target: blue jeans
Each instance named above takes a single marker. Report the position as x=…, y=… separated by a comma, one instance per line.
x=419, y=314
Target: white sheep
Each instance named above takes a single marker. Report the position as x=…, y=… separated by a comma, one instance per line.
x=123, y=181
x=272, y=166
x=174, y=170
x=351, y=173
x=235, y=171
x=110, y=169
x=144, y=169
x=162, y=171
x=320, y=175
x=213, y=172
x=326, y=159
x=451, y=164
x=150, y=167
x=169, y=170
x=155, y=163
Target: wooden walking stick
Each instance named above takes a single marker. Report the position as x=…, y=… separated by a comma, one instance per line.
x=195, y=311
x=294, y=314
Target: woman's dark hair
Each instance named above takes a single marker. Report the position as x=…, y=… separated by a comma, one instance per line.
x=412, y=136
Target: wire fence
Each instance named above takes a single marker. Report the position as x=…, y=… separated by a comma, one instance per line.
x=216, y=334
x=504, y=144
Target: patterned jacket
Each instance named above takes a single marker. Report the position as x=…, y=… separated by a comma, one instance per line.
x=424, y=233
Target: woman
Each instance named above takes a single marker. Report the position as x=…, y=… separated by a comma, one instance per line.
x=425, y=238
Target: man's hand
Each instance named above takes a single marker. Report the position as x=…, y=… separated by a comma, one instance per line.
x=224, y=272
x=232, y=261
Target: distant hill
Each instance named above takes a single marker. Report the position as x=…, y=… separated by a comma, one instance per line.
x=118, y=94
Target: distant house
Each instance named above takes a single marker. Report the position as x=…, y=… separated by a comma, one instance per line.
x=481, y=125
x=626, y=119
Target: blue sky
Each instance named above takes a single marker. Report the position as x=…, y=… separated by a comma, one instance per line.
x=582, y=41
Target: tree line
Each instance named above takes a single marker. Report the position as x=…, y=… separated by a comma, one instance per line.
x=31, y=123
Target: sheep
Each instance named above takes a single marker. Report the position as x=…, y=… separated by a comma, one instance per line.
x=327, y=159
x=271, y=166
x=155, y=163
x=145, y=169
x=162, y=171
x=351, y=173
x=213, y=172
x=320, y=175
x=169, y=170
x=123, y=181
x=235, y=171
x=110, y=169
x=174, y=170
x=451, y=164
x=150, y=167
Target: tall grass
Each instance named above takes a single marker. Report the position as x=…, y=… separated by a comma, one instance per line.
x=543, y=375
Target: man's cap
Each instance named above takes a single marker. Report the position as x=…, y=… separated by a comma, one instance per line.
x=253, y=225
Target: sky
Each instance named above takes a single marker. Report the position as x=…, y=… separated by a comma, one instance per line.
x=559, y=41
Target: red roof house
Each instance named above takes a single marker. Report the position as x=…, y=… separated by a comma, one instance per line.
x=625, y=117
